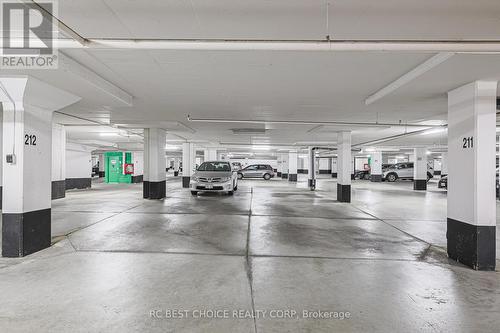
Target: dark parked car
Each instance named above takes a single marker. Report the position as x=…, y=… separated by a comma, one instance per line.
x=443, y=182
x=362, y=174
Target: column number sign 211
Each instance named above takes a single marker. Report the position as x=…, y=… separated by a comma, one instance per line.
x=468, y=142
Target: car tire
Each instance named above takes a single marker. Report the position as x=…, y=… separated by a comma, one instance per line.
x=194, y=192
x=366, y=176
x=267, y=176
x=240, y=176
x=392, y=177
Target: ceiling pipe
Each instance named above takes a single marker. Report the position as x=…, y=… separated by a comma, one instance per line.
x=307, y=122
x=426, y=46
x=393, y=137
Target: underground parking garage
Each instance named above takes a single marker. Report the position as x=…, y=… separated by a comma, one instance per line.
x=217, y=167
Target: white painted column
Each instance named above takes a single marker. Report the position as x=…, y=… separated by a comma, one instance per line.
x=58, y=161
x=444, y=164
x=376, y=167
x=138, y=160
x=27, y=162
x=1, y=152
x=344, y=167
x=284, y=163
x=292, y=166
x=155, y=163
x=101, y=165
x=280, y=166
x=420, y=169
x=334, y=167
x=471, y=225
x=188, y=163
x=311, y=168
x=78, y=166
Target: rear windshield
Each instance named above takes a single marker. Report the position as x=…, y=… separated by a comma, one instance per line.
x=214, y=166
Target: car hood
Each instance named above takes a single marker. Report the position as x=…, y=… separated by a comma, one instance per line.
x=213, y=174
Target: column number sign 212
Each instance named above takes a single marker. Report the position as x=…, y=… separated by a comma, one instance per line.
x=468, y=142
x=30, y=140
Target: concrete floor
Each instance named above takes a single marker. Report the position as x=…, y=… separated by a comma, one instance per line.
x=272, y=246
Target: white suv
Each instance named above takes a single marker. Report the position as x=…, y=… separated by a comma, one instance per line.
x=402, y=171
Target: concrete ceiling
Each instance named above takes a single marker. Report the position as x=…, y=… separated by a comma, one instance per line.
x=167, y=86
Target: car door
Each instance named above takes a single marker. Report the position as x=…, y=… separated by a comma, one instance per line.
x=251, y=171
x=262, y=170
x=407, y=171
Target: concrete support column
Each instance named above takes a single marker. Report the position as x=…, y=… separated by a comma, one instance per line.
x=420, y=169
x=284, y=163
x=311, y=169
x=155, y=164
x=344, y=167
x=188, y=163
x=1, y=153
x=59, y=161
x=471, y=224
x=78, y=166
x=138, y=160
x=444, y=164
x=280, y=166
x=177, y=164
x=376, y=167
x=102, y=173
x=292, y=166
x=334, y=167
x=27, y=162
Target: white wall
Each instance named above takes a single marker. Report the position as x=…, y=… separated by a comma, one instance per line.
x=1, y=145
x=58, y=152
x=78, y=161
x=138, y=160
x=324, y=164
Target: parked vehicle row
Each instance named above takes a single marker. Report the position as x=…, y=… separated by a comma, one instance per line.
x=403, y=171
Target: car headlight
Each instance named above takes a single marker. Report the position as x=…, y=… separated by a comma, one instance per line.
x=194, y=178
x=225, y=179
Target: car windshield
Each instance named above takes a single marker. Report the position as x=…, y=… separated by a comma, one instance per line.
x=215, y=166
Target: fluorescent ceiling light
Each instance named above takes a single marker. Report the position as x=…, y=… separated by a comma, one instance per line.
x=261, y=148
x=108, y=134
x=169, y=147
x=434, y=131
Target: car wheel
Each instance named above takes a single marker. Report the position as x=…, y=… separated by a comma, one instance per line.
x=367, y=176
x=240, y=176
x=392, y=177
x=267, y=176
x=194, y=192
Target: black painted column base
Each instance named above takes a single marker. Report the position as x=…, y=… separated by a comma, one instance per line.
x=176, y=173
x=472, y=245
x=292, y=177
x=284, y=176
x=78, y=183
x=279, y=175
x=137, y=179
x=157, y=190
x=334, y=175
x=185, y=181
x=376, y=178
x=343, y=193
x=101, y=174
x=145, y=189
x=420, y=184
x=58, y=189
x=25, y=233
x=1, y=197
x=325, y=172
